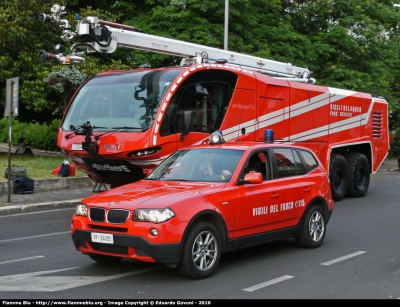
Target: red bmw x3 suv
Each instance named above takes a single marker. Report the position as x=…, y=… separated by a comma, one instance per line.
x=205, y=200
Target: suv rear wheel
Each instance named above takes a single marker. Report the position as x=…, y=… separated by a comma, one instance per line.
x=313, y=230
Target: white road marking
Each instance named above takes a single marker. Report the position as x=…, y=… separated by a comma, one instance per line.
x=267, y=283
x=38, y=236
x=343, y=258
x=37, y=212
x=35, y=282
x=22, y=259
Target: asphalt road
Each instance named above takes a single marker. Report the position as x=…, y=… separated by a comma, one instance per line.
x=359, y=259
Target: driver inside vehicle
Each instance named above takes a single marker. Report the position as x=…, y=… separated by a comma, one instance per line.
x=254, y=164
x=206, y=168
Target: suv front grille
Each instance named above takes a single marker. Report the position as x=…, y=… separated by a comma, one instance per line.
x=117, y=216
x=113, y=216
x=97, y=214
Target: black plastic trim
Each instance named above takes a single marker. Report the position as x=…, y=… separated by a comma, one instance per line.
x=162, y=253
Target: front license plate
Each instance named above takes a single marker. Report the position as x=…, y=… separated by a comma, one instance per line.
x=102, y=238
x=76, y=147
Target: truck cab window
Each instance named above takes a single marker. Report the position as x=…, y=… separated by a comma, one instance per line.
x=208, y=102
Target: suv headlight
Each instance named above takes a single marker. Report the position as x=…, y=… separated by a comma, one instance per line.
x=153, y=215
x=81, y=209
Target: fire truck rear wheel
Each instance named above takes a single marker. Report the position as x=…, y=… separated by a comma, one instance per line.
x=105, y=259
x=201, y=252
x=339, y=176
x=359, y=174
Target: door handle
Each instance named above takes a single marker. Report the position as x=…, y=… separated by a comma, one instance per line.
x=276, y=195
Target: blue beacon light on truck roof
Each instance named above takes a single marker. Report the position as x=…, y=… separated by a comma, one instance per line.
x=269, y=136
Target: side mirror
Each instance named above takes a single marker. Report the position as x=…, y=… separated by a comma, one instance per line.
x=253, y=178
x=187, y=123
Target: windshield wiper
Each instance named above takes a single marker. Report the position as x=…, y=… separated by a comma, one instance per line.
x=79, y=131
x=175, y=179
x=117, y=128
x=126, y=127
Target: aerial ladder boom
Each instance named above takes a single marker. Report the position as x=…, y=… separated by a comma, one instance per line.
x=105, y=37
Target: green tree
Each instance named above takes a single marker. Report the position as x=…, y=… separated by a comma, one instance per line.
x=20, y=42
x=356, y=44
x=22, y=37
x=64, y=82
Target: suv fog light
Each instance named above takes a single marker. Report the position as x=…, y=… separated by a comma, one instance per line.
x=154, y=232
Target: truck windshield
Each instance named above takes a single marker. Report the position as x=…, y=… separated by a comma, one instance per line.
x=128, y=100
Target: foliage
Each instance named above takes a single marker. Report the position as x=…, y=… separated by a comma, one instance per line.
x=39, y=136
x=64, y=82
x=20, y=45
x=395, y=145
x=22, y=37
x=356, y=45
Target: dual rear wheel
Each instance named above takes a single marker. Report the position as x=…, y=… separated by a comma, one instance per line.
x=349, y=175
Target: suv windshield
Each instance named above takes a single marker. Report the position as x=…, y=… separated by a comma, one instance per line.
x=120, y=101
x=200, y=164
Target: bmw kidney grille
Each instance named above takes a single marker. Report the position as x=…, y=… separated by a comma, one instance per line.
x=113, y=216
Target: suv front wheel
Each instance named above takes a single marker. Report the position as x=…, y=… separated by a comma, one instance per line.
x=201, y=252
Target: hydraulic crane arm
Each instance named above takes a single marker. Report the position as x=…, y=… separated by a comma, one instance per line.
x=105, y=37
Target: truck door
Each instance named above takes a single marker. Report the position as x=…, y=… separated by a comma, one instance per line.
x=240, y=116
x=273, y=112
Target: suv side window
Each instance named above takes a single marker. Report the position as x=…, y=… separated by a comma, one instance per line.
x=288, y=162
x=311, y=163
x=258, y=162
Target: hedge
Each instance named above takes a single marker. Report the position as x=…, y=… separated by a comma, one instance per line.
x=39, y=136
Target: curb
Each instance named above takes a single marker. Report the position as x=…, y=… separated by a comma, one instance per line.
x=67, y=186
x=44, y=185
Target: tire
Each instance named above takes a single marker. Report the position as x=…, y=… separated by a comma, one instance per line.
x=105, y=259
x=28, y=151
x=314, y=228
x=359, y=174
x=201, y=252
x=339, y=176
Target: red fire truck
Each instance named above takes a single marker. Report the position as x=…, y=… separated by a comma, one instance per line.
x=120, y=125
